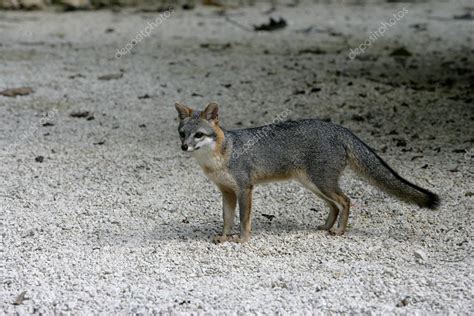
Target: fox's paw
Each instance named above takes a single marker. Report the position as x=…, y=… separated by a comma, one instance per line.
x=337, y=231
x=323, y=227
x=239, y=239
x=219, y=239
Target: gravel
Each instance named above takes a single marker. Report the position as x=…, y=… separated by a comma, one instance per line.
x=114, y=218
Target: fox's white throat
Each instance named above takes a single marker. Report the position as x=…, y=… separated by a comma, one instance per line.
x=213, y=163
x=204, y=152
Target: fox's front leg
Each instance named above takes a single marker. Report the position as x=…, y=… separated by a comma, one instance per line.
x=229, y=200
x=245, y=208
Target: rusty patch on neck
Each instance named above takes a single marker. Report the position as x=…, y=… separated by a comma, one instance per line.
x=219, y=150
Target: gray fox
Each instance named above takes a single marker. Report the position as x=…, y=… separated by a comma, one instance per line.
x=311, y=151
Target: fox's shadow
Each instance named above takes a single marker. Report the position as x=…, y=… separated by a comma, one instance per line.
x=205, y=231
x=178, y=231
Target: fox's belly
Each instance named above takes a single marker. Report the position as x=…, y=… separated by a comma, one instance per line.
x=259, y=177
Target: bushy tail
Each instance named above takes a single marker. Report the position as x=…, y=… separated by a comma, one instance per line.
x=367, y=163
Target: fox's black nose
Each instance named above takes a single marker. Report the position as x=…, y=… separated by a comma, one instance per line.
x=184, y=147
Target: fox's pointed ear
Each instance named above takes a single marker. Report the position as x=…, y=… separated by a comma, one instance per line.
x=183, y=111
x=211, y=113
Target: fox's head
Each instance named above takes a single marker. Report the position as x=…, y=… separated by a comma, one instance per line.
x=198, y=130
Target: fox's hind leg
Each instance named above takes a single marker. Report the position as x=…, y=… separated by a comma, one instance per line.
x=345, y=204
x=328, y=189
x=333, y=212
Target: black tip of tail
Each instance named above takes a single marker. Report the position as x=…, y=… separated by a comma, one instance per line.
x=432, y=201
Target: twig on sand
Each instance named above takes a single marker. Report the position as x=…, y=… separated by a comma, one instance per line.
x=243, y=27
x=20, y=298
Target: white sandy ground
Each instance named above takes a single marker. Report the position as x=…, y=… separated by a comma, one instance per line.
x=125, y=227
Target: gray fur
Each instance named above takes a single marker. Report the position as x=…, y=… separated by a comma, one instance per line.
x=287, y=146
x=313, y=152
x=320, y=148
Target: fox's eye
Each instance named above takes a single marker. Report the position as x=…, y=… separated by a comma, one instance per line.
x=181, y=134
x=198, y=135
